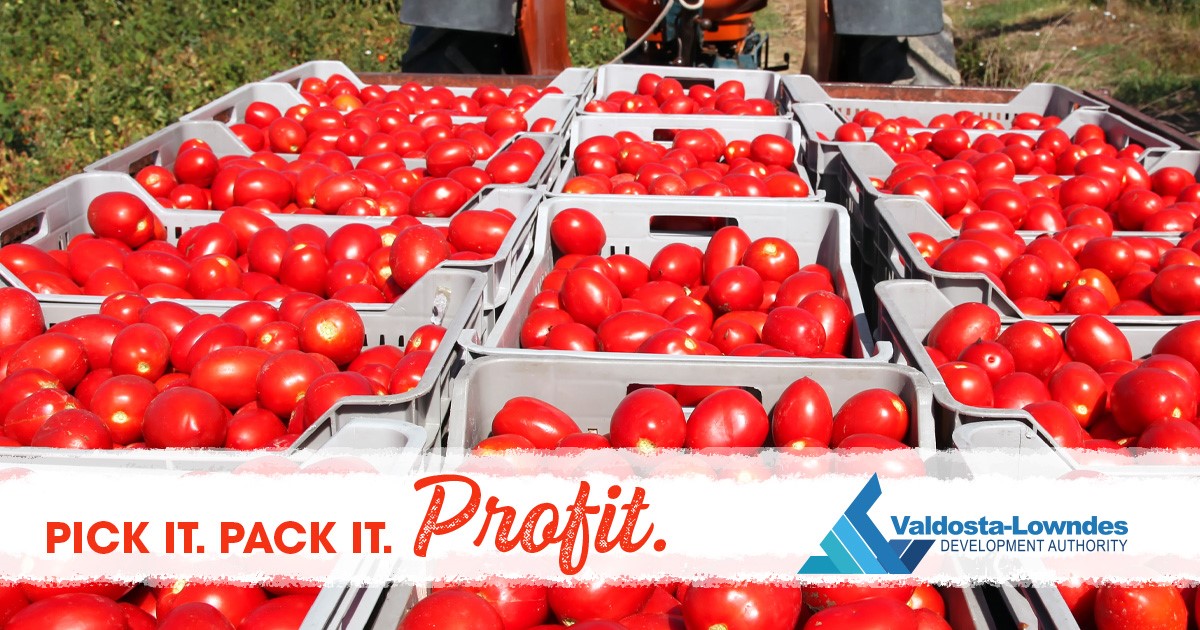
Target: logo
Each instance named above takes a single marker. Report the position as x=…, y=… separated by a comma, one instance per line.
x=855, y=546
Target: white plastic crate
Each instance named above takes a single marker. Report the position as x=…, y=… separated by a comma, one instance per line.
x=1043, y=99
x=908, y=309
x=898, y=258
x=624, y=77
x=818, y=231
x=49, y=219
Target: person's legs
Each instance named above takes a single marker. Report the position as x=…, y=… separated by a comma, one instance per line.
x=445, y=51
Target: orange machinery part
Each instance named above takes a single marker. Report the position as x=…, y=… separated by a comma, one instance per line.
x=715, y=10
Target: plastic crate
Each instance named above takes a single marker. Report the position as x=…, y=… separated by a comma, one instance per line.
x=661, y=128
x=966, y=608
x=908, y=309
x=450, y=298
x=898, y=258
x=231, y=108
x=624, y=77
x=572, y=81
x=860, y=161
x=588, y=388
x=49, y=219
x=817, y=230
x=1043, y=99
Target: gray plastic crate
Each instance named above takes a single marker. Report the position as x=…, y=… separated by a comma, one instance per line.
x=624, y=77
x=450, y=298
x=362, y=608
x=898, y=258
x=908, y=309
x=861, y=161
x=661, y=128
x=1043, y=99
x=49, y=219
x=817, y=230
x=588, y=388
x=572, y=81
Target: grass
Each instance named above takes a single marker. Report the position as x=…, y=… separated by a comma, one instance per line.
x=79, y=80
x=1141, y=51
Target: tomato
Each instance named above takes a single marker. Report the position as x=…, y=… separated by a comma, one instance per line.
x=20, y=316
x=577, y=231
x=73, y=428
x=589, y=296
x=121, y=216
x=1140, y=607
x=229, y=374
x=648, y=419
x=678, y=263
x=737, y=288
x=873, y=411
x=771, y=149
x=773, y=258
x=794, y=330
x=597, y=601
x=142, y=350
x=280, y=613
x=68, y=612
x=876, y=613
x=62, y=355
x=968, y=383
x=835, y=316
x=415, y=251
x=730, y=418
x=511, y=167
x=121, y=403
x=802, y=414
x=334, y=329
x=438, y=197
x=750, y=606
x=1095, y=341
x=1079, y=387
x=1176, y=289
x=184, y=417
x=541, y=423
x=326, y=390
x=1017, y=390
x=1147, y=395
x=963, y=325
x=1163, y=434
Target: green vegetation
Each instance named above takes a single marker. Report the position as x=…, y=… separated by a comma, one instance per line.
x=79, y=80
x=1142, y=51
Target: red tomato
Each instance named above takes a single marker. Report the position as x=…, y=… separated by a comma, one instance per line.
x=750, y=606
x=415, y=251
x=597, y=601
x=184, y=417
x=876, y=613
x=121, y=216
x=334, y=329
x=73, y=428
x=76, y=610
x=1094, y=340
x=737, y=288
x=1147, y=395
x=730, y=418
x=589, y=296
x=20, y=316
x=479, y=231
x=541, y=423
x=874, y=411
x=280, y=613
x=229, y=374
x=121, y=403
x=648, y=419
x=62, y=355
x=794, y=330
x=963, y=325
x=968, y=383
x=1140, y=607
x=802, y=414
x=773, y=258
x=577, y=231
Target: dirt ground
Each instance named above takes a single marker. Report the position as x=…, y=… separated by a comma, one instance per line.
x=786, y=26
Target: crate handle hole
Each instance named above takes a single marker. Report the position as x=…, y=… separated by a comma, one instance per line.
x=679, y=224
x=699, y=391
x=23, y=230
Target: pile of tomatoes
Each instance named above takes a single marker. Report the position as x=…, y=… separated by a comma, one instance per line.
x=245, y=255
x=1081, y=269
x=738, y=297
x=1084, y=387
x=330, y=182
x=657, y=95
x=141, y=375
x=653, y=418
x=180, y=606
x=406, y=120
x=698, y=162
x=602, y=606
x=1070, y=182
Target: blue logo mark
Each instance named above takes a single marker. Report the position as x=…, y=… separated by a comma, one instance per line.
x=855, y=546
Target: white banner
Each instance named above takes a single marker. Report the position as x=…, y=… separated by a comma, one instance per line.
x=610, y=515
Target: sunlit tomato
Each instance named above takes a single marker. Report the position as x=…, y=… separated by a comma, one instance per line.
x=648, y=419
x=876, y=613
x=802, y=413
x=1130, y=607
x=121, y=403
x=74, y=610
x=963, y=325
x=597, y=601
x=334, y=329
x=751, y=606
x=184, y=417
x=730, y=418
x=541, y=423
